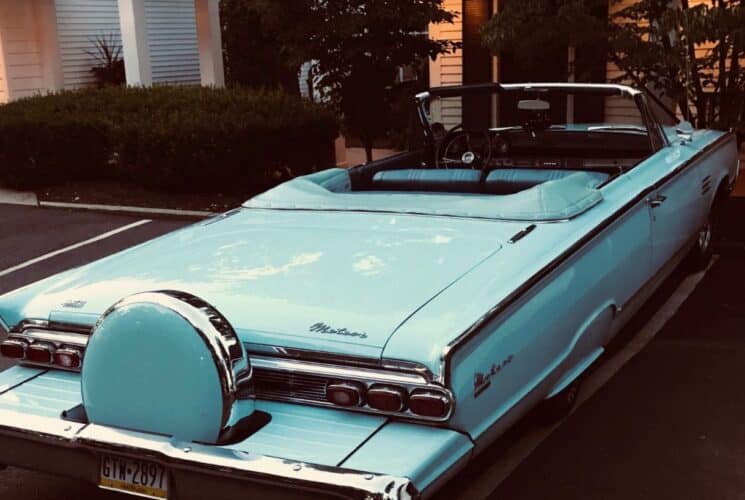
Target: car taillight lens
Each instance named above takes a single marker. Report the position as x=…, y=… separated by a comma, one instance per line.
x=13, y=348
x=345, y=394
x=429, y=404
x=67, y=358
x=40, y=353
x=387, y=398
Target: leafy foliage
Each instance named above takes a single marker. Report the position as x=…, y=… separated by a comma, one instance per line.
x=692, y=55
x=357, y=47
x=532, y=30
x=252, y=53
x=109, y=68
x=171, y=138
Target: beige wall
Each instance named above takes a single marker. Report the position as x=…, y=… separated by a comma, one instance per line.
x=3, y=78
x=447, y=69
x=22, y=49
x=43, y=43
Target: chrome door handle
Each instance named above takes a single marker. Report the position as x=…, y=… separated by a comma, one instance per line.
x=656, y=201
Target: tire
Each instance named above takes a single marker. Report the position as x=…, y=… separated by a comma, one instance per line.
x=559, y=406
x=703, y=249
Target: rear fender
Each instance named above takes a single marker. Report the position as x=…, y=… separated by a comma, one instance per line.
x=587, y=346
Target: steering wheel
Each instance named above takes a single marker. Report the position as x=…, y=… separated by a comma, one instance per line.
x=464, y=149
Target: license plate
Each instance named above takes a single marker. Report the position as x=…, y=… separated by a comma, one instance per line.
x=137, y=477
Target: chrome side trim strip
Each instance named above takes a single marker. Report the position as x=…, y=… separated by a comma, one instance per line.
x=57, y=338
x=51, y=325
x=307, y=355
x=336, y=371
x=215, y=461
x=450, y=349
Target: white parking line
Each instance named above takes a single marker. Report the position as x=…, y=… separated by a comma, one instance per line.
x=100, y=237
x=512, y=457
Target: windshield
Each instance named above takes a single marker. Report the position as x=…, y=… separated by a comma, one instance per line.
x=505, y=106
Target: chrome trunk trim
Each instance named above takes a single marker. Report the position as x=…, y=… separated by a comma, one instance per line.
x=288, y=375
x=217, y=462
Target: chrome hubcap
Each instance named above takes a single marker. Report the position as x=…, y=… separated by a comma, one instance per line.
x=704, y=237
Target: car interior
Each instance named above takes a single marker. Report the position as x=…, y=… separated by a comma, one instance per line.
x=510, y=159
x=539, y=167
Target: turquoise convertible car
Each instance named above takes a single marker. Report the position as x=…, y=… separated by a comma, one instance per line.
x=366, y=332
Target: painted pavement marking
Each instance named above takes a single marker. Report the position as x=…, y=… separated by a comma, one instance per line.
x=95, y=239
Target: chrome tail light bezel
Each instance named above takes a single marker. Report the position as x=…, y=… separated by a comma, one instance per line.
x=405, y=376
x=13, y=342
x=68, y=351
x=369, y=378
x=57, y=336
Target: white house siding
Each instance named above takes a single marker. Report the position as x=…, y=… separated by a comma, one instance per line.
x=447, y=69
x=79, y=22
x=3, y=82
x=172, y=41
x=21, y=48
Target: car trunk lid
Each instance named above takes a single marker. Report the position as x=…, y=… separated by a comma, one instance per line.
x=329, y=281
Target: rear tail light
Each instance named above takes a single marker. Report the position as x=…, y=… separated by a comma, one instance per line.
x=13, y=348
x=429, y=404
x=40, y=352
x=387, y=398
x=43, y=353
x=67, y=358
x=345, y=394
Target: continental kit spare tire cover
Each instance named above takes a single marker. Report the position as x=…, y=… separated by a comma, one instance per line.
x=165, y=363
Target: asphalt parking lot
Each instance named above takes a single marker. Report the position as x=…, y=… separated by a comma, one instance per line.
x=668, y=424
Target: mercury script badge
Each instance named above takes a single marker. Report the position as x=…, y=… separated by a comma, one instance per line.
x=326, y=329
x=74, y=304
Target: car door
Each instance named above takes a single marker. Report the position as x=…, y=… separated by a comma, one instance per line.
x=677, y=208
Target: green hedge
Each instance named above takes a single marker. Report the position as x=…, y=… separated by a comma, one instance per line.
x=174, y=138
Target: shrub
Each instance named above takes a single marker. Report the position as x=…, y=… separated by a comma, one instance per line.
x=173, y=138
x=36, y=151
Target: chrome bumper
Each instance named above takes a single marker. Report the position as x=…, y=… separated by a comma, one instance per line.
x=73, y=449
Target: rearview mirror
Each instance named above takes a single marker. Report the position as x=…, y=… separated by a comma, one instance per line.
x=685, y=131
x=533, y=105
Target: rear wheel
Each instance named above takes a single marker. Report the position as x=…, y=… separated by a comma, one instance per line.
x=703, y=249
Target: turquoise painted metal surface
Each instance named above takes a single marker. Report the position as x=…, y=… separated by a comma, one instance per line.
x=276, y=274
x=316, y=435
x=426, y=455
x=296, y=432
x=442, y=286
x=16, y=375
x=131, y=363
x=45, y=395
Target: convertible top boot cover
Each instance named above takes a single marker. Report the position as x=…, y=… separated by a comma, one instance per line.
x=164, y=363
